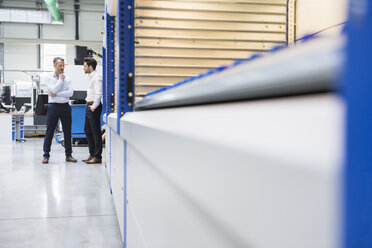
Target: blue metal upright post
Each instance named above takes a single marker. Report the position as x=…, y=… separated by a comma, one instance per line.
x=109, y=55
x=125, y=74
x=358, y=95
x=104, y=81
x=110, y=64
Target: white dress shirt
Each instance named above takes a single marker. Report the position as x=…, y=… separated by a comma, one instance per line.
x=62, y=88
x=94, y=92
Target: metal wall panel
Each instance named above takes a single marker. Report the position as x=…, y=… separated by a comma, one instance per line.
x=178, y=39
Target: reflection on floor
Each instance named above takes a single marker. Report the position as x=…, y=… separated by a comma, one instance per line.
x=60, y=204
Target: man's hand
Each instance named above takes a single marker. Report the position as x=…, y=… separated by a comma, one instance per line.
x=62, y=76
x=92, y=109
x=52, y=94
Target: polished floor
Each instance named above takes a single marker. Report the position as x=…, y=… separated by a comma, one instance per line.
x=60, y=204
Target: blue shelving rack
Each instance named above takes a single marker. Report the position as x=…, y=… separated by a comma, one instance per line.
x=125, y=74
x=357, y=91
x=109, y=66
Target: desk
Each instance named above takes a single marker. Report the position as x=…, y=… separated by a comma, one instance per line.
x=11, y=127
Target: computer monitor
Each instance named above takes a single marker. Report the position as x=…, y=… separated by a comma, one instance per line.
x=42, y=104
x=79, y=97
x=7, y=98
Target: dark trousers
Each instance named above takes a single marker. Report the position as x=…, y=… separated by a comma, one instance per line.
x=55, y=112
x=92, y=129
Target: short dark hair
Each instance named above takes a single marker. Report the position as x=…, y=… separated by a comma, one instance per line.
x=58, y=58
x=91, y=62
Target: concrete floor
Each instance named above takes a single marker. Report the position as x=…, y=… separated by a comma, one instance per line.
x=60, y=204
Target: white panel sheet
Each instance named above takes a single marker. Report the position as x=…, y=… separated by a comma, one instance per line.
x=328, y=13
x=117, y=178
x=5, y=129
x=91, y=26
x=251, y=174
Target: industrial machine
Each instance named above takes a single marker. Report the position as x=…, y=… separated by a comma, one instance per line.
x=7, y=101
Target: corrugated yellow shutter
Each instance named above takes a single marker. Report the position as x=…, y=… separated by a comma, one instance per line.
x=179, y=39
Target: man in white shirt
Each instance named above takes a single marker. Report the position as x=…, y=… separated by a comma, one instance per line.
x=92, y=127
x=59, y=90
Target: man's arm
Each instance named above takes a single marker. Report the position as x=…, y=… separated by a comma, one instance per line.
x=68, y=92
x=98, y=90
x=54, y=88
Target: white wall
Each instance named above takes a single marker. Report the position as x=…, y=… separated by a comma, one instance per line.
x=91, y=26
x=19, y=57
x=65, y=31
x=70, y=54
x=18, y=30
x=315, y=15
x=23, y=56
x=80, y=80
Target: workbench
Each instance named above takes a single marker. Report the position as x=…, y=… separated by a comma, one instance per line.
x=12, y=127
